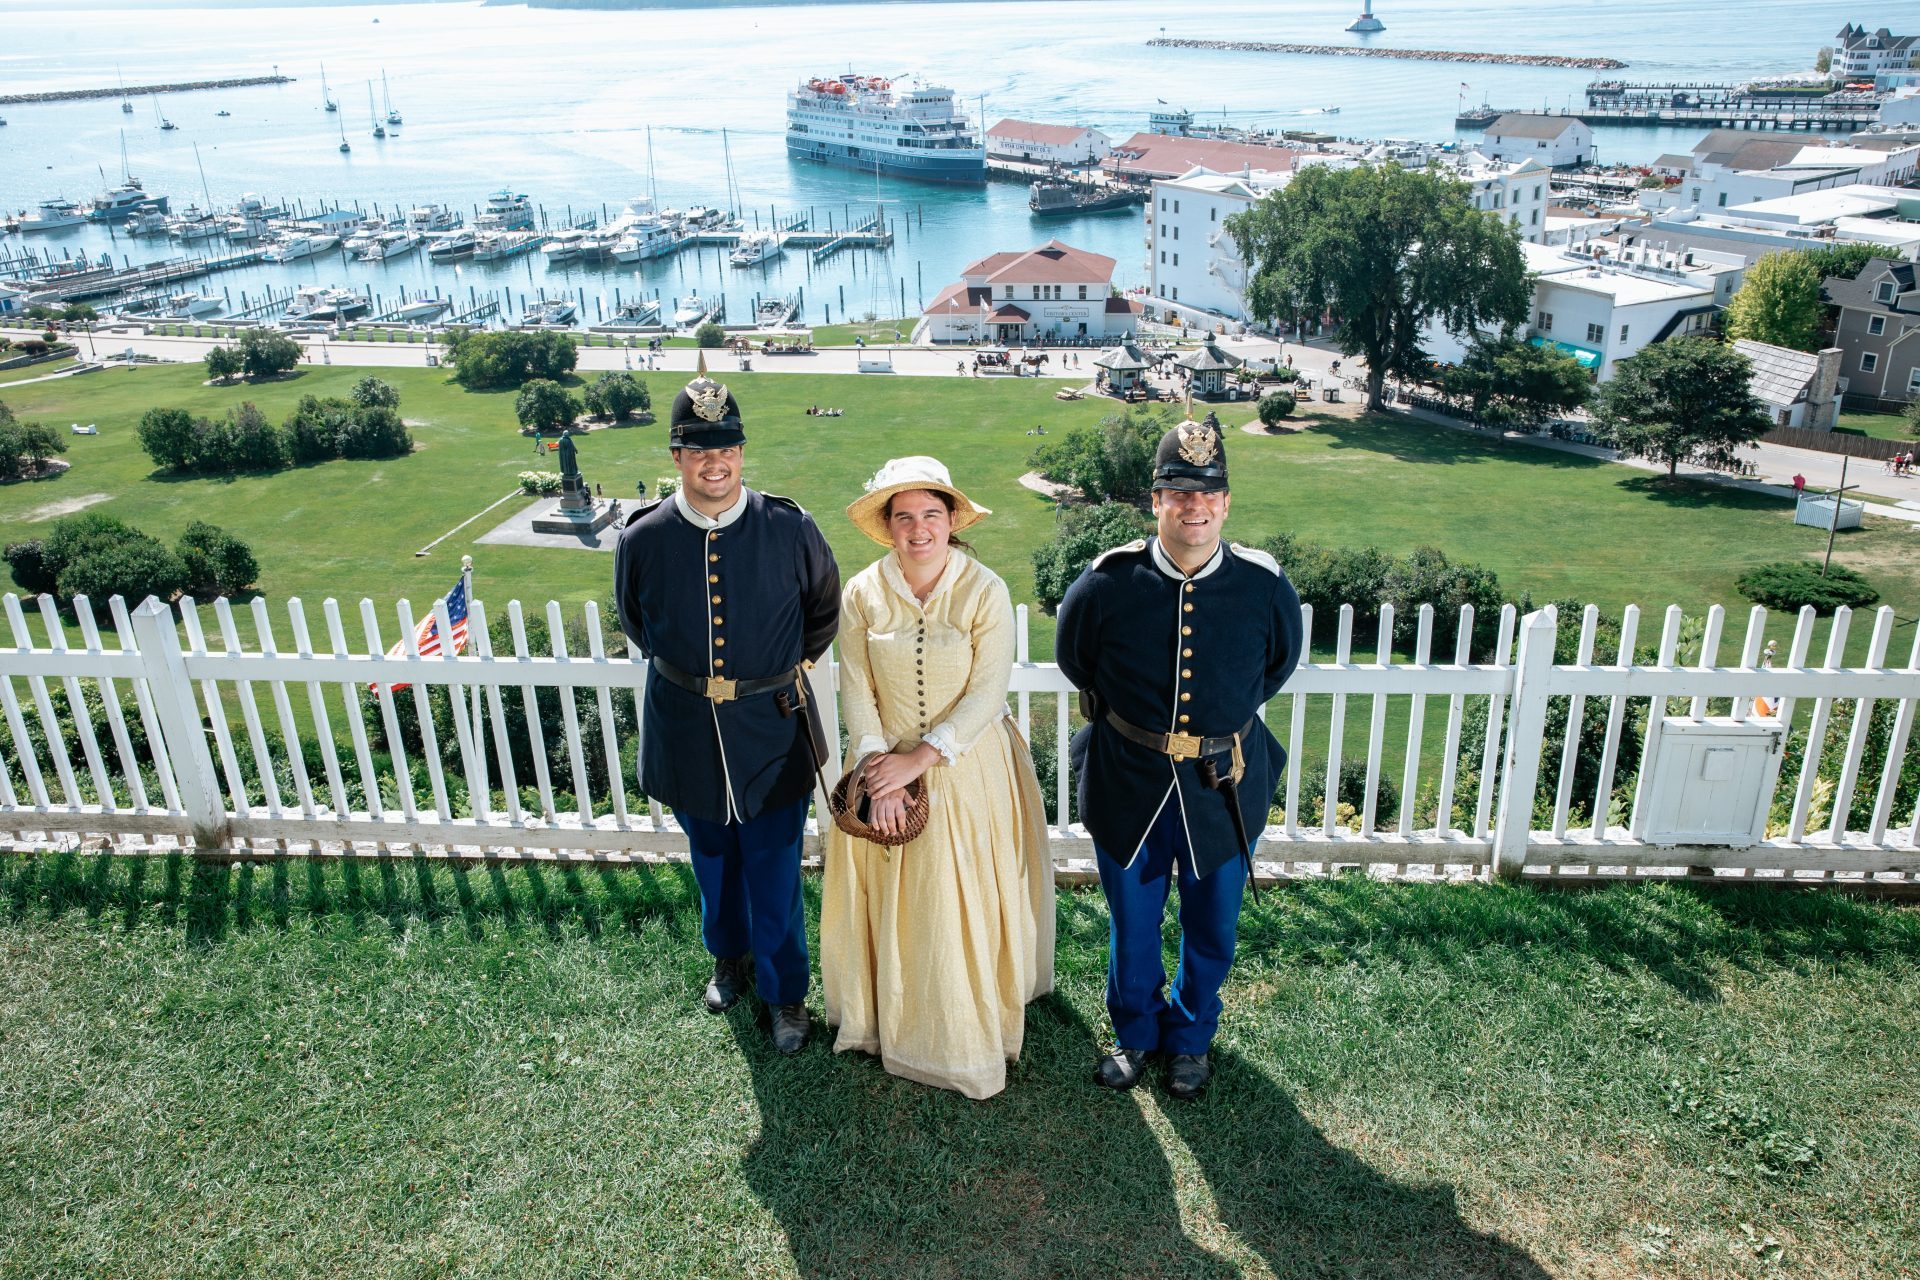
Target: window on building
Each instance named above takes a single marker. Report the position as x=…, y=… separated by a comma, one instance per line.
x=1913, y=381
x=1176, y=206
x=1876, y=325
x=1536, y=193
x=1545, y=324
x=1869, y=362
x=1596, y=334
x=1176, y=233
x=1163, y=257
x=1536, y=218
x=1623, y=333
x=1723, y=199
x=1886, y=291
x=1163, y=204
x=1176, y=259
x=1009, y=291
x=1213, y=215
x=1083, y=293
x=1163, y=291
x=1782, y=417
x=1696, y=195
x=1176, y=293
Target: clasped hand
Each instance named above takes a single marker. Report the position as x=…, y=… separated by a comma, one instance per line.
x=887, y=776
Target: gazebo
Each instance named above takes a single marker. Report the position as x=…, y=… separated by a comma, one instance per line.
x=1207, y=368
x=1123, y=366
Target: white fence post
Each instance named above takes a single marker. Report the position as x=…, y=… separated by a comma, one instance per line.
x=1526, y=734
x=179, y=715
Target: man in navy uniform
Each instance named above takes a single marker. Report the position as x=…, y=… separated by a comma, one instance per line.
x=1176, y=641
x=730, y=593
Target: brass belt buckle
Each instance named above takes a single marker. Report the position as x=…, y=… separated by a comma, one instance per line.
x=1183, y=746
x=720, y=689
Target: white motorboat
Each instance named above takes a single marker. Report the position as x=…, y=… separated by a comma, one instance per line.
x=565, y=246
x=195, y=223
x=391, y=244
x=149, y=220
x=52, y=215
x=702, y=218
x=506, y=211
x=420, y=309
x=493, y=246
x=643, y=313
x=691, y=311
x=428, y=218
x=122, y=201
x=647, y=240
x=328, y=303
x=457, y=243
x=245, y=230
x=551, y=311
x=756, y=249
x=300, y=245
x=191, y=306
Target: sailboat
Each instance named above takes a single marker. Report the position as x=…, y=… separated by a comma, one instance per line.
x=345, y=146
x=325, y=96
x=393, y=117
x=160, y=116
x=126, y=103
x=379, y=130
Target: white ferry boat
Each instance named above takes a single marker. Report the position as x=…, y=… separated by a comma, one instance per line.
x=755, y=249
x=904, y=130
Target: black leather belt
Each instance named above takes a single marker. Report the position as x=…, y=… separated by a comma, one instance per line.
x=718, y=688
x=1181, y=746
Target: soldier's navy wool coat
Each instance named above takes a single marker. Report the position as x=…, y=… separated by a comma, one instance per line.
x=1172, y=654
x=745, y=598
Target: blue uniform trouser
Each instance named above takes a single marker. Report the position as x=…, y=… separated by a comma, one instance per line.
x=749, y=876
x=1144, y=1016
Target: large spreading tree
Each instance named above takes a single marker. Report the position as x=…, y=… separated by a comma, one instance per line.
x=1683, y=400
x=1386, y=250
x=1779, y=302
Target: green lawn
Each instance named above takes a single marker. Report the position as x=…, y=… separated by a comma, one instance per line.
x=378, y=1072
x=1883, y=426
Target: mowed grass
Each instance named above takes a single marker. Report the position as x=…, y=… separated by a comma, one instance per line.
x=388, y=1070
x=1550, y=524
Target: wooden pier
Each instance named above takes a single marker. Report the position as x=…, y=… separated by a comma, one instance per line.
x=106, y=283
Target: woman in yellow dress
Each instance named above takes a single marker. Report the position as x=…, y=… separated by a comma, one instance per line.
x=930, y=951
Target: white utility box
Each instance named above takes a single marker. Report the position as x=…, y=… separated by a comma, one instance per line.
x=1710, y=780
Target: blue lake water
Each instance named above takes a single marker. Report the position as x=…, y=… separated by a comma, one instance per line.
x=558, y=104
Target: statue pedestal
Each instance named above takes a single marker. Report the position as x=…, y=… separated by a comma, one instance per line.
x=575, y=513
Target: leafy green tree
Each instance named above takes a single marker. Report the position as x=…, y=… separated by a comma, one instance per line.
x=710, y=335
x=1683, y=400
x=217, y=563
x=225, y=363
x=545, y=406
x=375, y=393
x=249, y=443
x=1082, y=534
x=78, y=313
x=1779, y=302
x=618, y=396
x=484, y=360
x=1526, y=383
x=264, y=353
x=1912, y=415
x=1386, y=250
x=1111, y=461
x=24, y=446
x=376, y=432
x=316, y=427
x=1843, y=260
x=168, y=437
x=1276, y=406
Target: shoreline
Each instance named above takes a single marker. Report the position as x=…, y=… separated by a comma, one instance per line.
x=75, y=95
x=1410, y=55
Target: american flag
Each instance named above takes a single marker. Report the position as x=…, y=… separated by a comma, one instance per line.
x=426, y=636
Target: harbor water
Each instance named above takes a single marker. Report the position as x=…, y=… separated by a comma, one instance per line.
x=582, y=109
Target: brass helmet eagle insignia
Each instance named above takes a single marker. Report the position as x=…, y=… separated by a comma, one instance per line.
x=709, y=398
x=1199, y=443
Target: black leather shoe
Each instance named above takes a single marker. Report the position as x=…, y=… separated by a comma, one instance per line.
x=1187, y=1074
x=791, y=1026
x=731, y=977
x=1121, y=1069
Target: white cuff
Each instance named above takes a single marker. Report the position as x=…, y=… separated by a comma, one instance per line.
x=868, y=745
x=941, y=740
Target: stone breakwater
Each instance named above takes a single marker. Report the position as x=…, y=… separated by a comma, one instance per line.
x=1412, y=55
x=70, y=95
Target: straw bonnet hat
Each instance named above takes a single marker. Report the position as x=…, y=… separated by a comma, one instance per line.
x=869, y=511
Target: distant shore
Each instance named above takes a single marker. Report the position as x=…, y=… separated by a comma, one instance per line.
x=128, y=91
x=1411, y=55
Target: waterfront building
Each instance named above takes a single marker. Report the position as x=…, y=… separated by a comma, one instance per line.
x=1861, y=54
x=1730, y=170
x=1798, y=388
x=1601, y=303
x=1878, y=334
x=1054, y=291
x=1558, y=142
x=1034, y=143
x=1516, y=190
x=868, y=123
x=1194, y=267
x=1147, y=156
x=12, y=301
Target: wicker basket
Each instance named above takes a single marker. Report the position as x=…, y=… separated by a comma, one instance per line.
x=849, y=800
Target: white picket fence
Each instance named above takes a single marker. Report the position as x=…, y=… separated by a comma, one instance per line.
x=159, y=678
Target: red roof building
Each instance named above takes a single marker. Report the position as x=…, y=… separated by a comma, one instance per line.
x=1159, y=155
x=1054, y=291
x=1031, y=142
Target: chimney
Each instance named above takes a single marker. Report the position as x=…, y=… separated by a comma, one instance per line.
x=1823, y=411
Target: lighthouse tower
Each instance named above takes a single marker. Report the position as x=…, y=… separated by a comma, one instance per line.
x=1366, y=21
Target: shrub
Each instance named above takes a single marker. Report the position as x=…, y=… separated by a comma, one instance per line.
x=376, y=432
x=135, y=567
x=540, y=483
x=315, y=427
x=264, y=353
x=225, y=363
x=374, y=393
x=710, y=334
x=1082, y=534
x=545, y=406
x=1793, y=584
x=1349, y=792
x=618, y=396
x=486, y=360
x=1275, y=406
x=167, y=435
x=666, y=486
x=25, y=445
x=1285, y=373
x=28, y=561
x=250, y=442
x=1109, y=462
x=216, y=562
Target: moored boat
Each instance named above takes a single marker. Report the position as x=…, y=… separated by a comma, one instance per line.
x=755, y=249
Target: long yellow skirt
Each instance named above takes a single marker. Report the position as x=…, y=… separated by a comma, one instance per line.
x=930, y=952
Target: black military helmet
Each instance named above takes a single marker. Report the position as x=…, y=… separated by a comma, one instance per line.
x=1192, y=456
x=705, y=415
